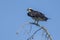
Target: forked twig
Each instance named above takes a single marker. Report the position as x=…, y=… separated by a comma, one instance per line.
x=47, y=35
x=33, y=34
x=41, y=28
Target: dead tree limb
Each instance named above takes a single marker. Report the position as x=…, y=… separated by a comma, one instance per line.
x=47, y=35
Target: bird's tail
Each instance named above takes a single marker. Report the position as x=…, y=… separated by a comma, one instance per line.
x=47, y=19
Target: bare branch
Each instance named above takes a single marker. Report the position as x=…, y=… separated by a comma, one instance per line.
x=47, y=35
x=41, y=28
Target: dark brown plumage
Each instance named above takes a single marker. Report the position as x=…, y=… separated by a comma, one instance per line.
x=37, y=16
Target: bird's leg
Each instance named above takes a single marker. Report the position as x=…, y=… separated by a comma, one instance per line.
x=37, y=22
x=34, y=21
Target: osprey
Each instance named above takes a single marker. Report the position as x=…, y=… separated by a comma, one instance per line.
x=35, y=15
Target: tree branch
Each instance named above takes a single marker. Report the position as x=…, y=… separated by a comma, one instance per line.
x=47, y=35
x=41, y=28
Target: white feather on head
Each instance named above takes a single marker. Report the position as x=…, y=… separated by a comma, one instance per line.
x=29, y=9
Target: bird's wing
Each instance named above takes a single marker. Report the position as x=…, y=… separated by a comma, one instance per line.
x=39, y=14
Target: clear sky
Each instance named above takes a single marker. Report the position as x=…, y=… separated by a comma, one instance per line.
x=13, y=14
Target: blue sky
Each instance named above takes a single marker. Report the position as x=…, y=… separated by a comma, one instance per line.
x=13, y=14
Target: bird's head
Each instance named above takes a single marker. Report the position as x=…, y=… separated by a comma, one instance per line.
x=29, y=9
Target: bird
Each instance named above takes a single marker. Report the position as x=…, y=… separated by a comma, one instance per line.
x=36, y=15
